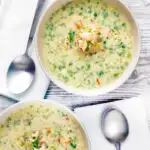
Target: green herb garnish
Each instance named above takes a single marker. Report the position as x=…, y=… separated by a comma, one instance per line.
x=70, y=64
x=101, y=73
x=16, y=122
x=71, y=36
x=53, y=148
x=22, y=144
x=124, y=24
x=95, y=14
x=64, y=7
x=122, y=67
x=90, y=10
x=129, y=55
x=88, y=66
x=122, y=45
x=8, y=122
x=66, y=79
x=70, y=72
x=105, y=42
x=61, y=67
x=50, y=26
x=27, y=123
x=126, y=63
x=31, y=106
x=73, y=145
x=80, y=13
x=116, y=74
x=81, y=8
x=116, y=14
x=116, y=28
x=105, y=14
x=46, y=145
x=36, y=144
x=88, y=46
x=110, y=50
x=71, y=13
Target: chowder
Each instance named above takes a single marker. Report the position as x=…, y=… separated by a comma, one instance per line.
x=41, y=127
x=87, y=44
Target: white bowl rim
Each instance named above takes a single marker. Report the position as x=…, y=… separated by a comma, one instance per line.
x=13, y=108
x=98, y=91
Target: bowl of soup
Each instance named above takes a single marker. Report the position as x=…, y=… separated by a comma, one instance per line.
x=88, y=47
x=41, y=125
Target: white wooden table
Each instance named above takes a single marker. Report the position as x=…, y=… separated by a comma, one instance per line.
x=136, y=84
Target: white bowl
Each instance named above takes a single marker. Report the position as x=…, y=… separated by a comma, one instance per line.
x=99, y=91
x=6, y=113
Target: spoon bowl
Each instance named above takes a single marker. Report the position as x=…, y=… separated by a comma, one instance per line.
x=21, y=73
x=114, y=126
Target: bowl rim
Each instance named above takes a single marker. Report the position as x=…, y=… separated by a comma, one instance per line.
x=98, y=91
x=13, y=108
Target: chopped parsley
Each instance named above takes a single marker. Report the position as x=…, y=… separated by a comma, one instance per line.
x=105, y=42
x=124, y=24
x=88, y=46
x=50, y=26
x=129, y=55
x=16, y=122
x=116, y=28
x=122, y=45
x=70, y=72
x=90, y=10
x=71, y=13
x=73, y=145
x=80, y=13
x=71, y=36
x=95, y=14
x=101, y=73
x=116, y=74
x=104, y=14
x=61, y=67
x=36, y=144
x=27, y=123
x=73, y=142
x=117, y=14
x=66, y=79
x=53, y=148
x=88, y=66
x=81, y=8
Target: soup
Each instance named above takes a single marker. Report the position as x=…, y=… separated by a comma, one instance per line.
x=41, y=127
x=87, y=44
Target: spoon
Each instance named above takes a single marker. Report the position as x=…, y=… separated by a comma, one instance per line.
x=21, y=72
x=114, y=126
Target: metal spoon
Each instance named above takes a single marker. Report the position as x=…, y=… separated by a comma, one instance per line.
x=21, y=72
x=114, y=126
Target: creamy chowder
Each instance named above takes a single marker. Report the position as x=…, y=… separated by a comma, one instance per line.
x=88, y=44
x=41, y=127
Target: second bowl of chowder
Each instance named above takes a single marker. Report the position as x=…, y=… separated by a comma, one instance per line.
x=41, y=125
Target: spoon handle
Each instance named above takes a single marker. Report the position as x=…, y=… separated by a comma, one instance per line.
x=33, y=26
x=9, y=98
x=117, y=145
